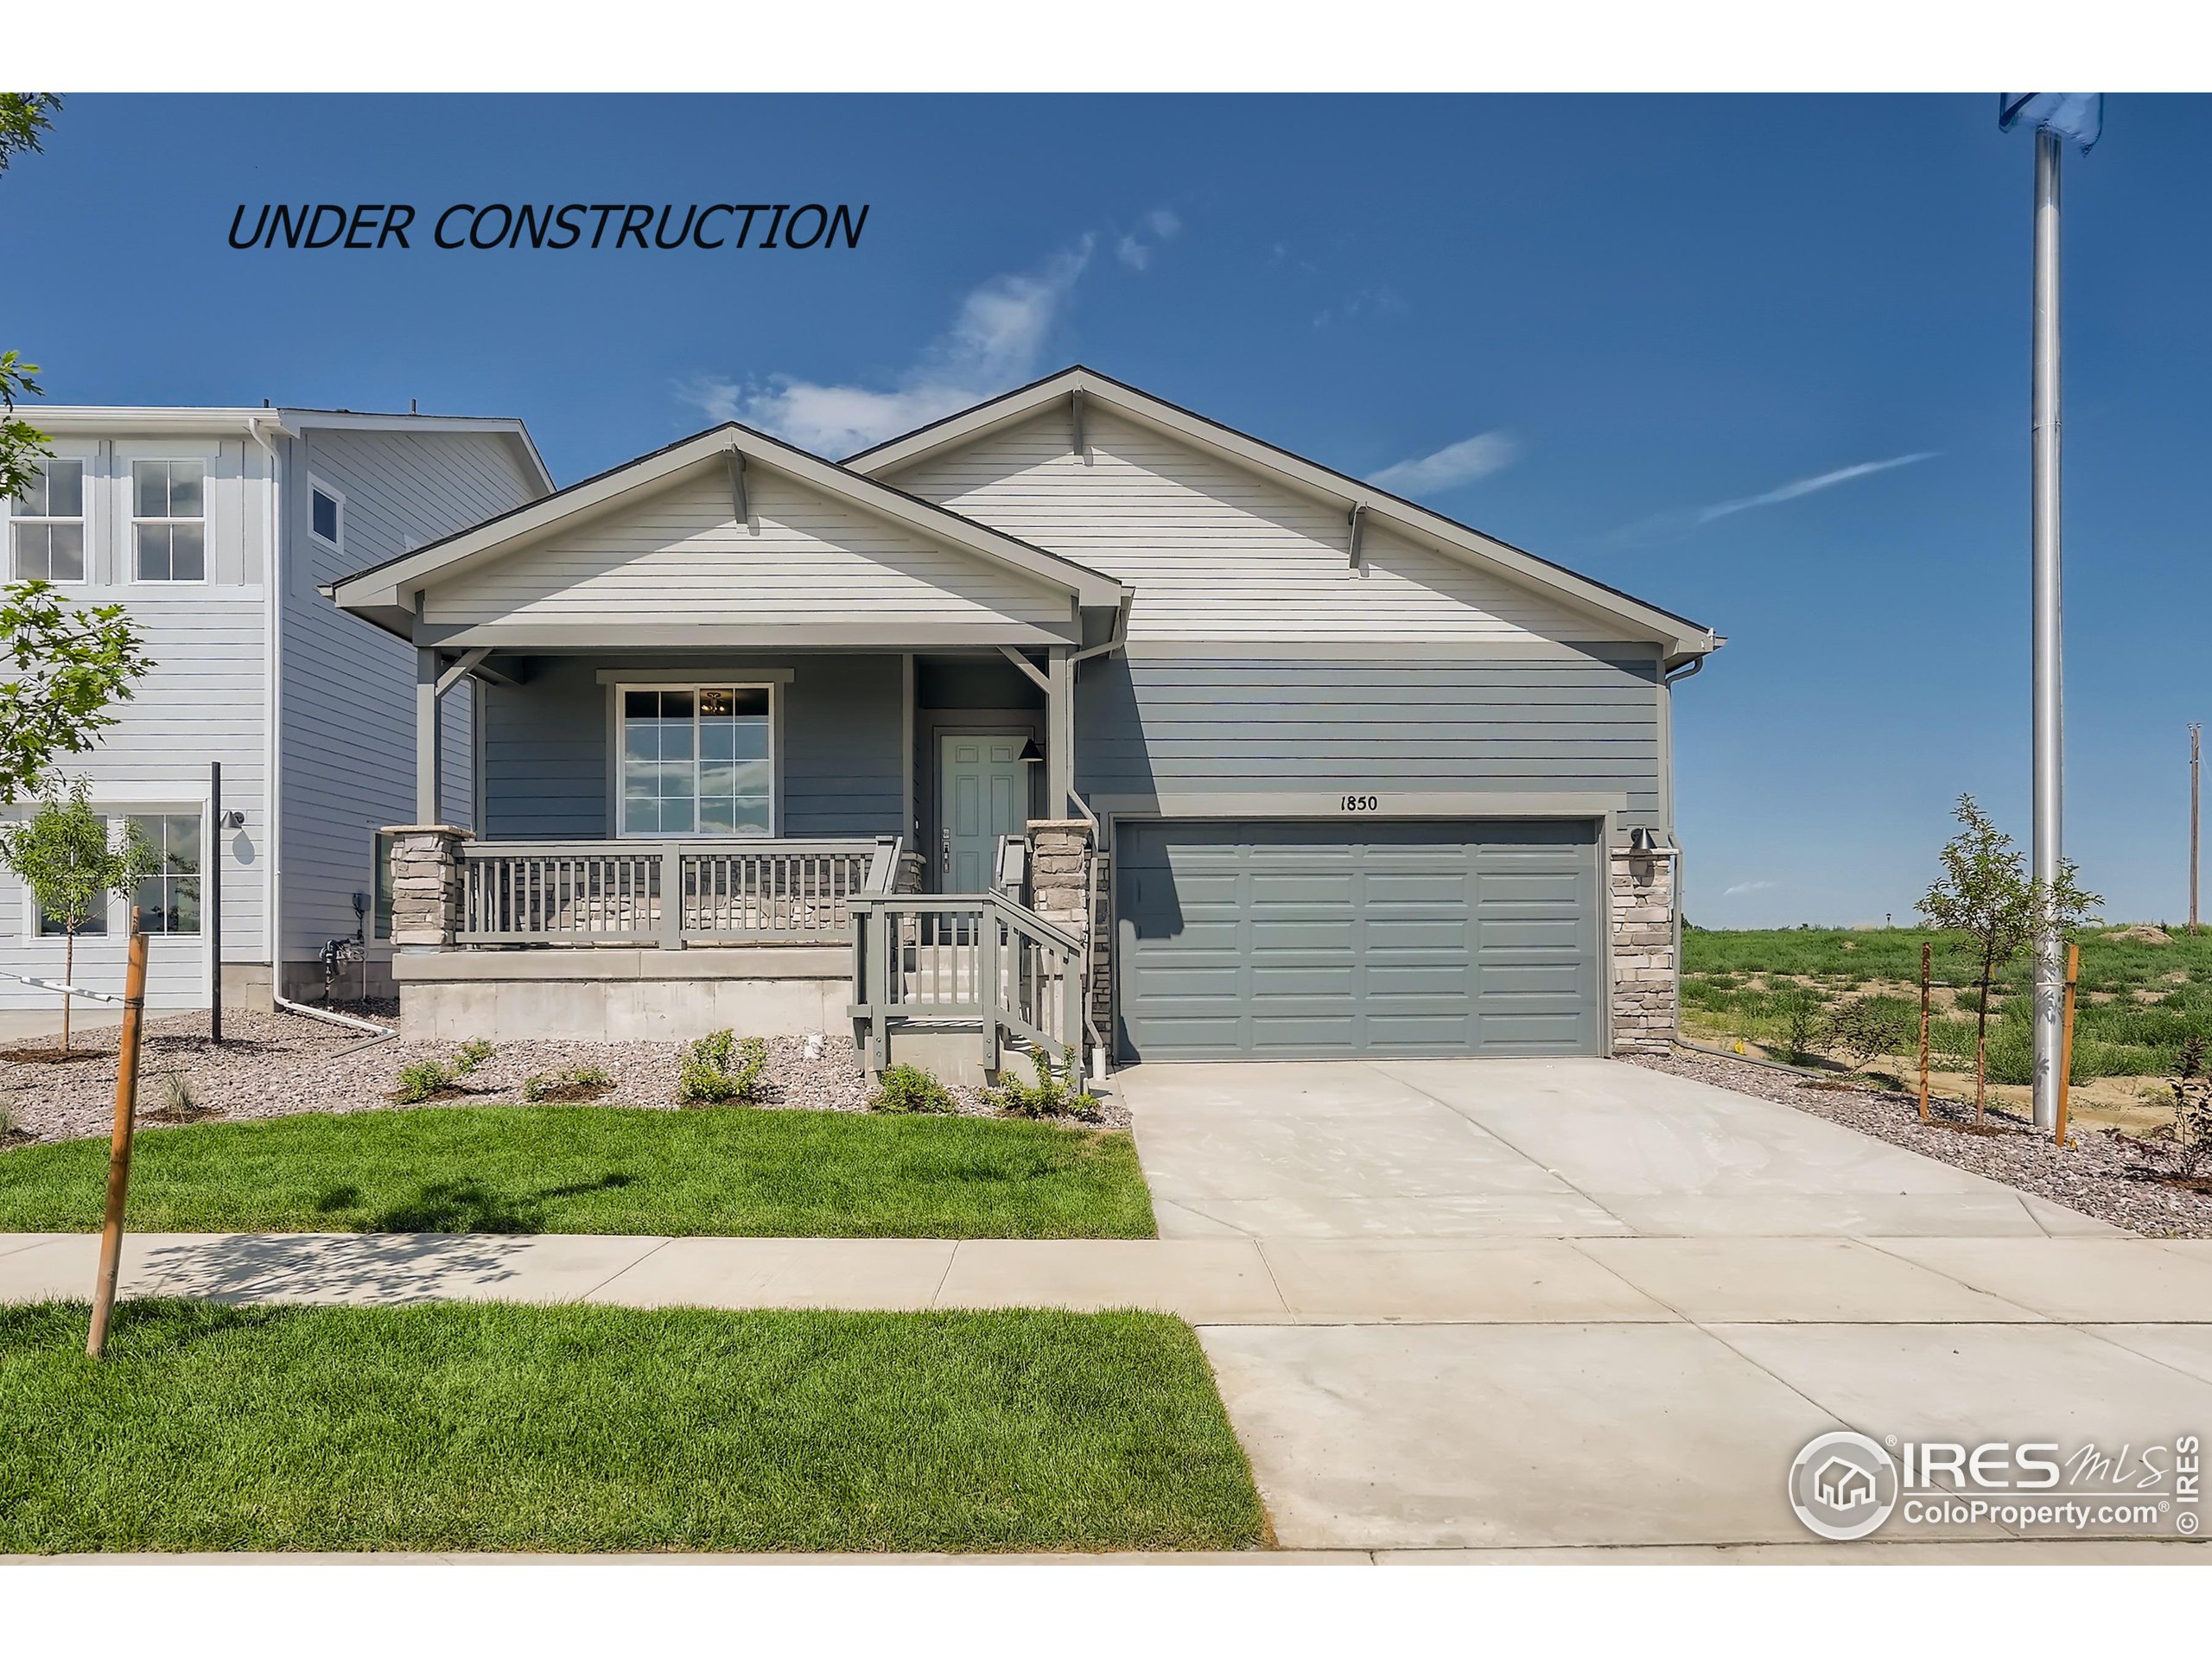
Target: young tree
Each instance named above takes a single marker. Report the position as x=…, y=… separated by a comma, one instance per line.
x=1985, y=896
x=65, y=857
x=69, y=664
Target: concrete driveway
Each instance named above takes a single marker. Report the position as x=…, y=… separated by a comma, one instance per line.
x=1530, y=1149
x=1574, y=1305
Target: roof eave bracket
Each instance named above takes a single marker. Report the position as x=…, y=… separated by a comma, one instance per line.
x=739, y=504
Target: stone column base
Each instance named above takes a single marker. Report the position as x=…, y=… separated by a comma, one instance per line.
x=1640, y=914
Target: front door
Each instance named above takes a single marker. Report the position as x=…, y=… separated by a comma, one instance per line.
x=983, y=793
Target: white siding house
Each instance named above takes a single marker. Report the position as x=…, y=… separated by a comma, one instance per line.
x=213, y=526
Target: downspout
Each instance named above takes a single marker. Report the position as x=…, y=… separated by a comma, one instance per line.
x=1113, y=642
x=272, y=775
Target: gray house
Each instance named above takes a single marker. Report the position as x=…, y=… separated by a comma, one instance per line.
x=1074, y=720
x=214, y=527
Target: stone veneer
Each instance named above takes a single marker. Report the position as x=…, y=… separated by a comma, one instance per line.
x=425, y=884
x=1060, y=857
x=1643, y=934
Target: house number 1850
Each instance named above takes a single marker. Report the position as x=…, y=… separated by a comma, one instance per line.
x=1363, y=804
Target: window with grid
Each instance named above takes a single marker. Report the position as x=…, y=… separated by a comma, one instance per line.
x=169, y=523
x=45, y=525
x=697, y=760
x=168, y=901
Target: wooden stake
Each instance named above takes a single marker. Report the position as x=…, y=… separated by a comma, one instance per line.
x=1924, y=1030
x=119, y=1154
x=2066, y=1038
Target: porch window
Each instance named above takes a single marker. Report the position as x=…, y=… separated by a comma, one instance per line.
x=46, y=530
x=698, y=760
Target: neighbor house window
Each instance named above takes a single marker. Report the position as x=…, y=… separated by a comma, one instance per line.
x=45, y=525
x=323, y=506
x=169, y=511
x=168, y=900
x=698, y=760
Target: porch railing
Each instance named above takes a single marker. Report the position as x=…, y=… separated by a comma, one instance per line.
x=671, y=894
x=966, y=959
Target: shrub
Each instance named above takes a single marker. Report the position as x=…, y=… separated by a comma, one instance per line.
x=419, y=1081
x=1870, y=1026
x=719, y=1068
x=426, y=1078
x=910, y=1089
x=1050, y=1095
x=1803, y=1023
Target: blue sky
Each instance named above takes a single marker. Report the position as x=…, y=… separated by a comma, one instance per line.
x=1761, y=360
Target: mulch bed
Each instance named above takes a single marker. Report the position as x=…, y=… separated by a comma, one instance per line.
x=2111, y=1176
x=277, y=1064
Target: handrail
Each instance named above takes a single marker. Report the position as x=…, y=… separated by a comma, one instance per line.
x=962, y=958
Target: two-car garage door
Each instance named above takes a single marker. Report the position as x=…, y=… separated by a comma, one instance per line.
x=1283, y=940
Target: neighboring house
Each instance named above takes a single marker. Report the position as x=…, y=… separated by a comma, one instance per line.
x=1359, y=779
x=214, y=527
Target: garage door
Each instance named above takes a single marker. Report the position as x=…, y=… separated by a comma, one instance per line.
x=1274, y=940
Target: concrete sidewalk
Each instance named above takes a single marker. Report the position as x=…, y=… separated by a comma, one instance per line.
x=1627, y=1280
x=1513, y=1400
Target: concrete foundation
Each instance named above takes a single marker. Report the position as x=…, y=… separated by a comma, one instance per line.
x=951, y=1054
x=622, y=994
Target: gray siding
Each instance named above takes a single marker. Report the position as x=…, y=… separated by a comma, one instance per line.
x=1239, y=722
x=545, y=744
x=348, y=763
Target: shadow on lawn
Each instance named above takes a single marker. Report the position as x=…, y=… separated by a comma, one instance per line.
x=470, y=1206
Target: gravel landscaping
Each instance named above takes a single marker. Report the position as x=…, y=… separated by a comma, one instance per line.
x=279, y=1065
x=2105, y=1174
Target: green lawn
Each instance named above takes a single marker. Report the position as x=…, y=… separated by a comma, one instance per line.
x=597, y=1169
x=462, y=1427
x=2137, y=1001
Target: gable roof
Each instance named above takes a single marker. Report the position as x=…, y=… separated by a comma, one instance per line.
x=383, y=593
x=1682, y=638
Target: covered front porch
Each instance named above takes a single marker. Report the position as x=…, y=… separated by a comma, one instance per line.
x=755, y=744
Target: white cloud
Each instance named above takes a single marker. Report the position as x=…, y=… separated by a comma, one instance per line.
x=1132, y=250
x=1742, y=888
x=1819, y=481
x=1456, y=463
x=995, y=343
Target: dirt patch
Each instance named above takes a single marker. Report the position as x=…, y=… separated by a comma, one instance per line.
x=47, y=1056
x=565, y=1094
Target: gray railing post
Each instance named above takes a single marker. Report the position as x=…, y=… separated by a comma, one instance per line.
x=672, y=895
x=887, y=964
x=986, y=979
x=1071, y=1009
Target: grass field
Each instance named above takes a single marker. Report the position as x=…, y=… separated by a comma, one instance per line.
x=490, y=1427
x=597, y=1169
x=2136, y=1002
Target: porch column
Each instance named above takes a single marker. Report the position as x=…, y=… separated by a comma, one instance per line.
x=426, y=735
x=1059, y=731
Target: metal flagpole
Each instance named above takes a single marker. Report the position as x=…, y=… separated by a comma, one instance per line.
x=2048, y=736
